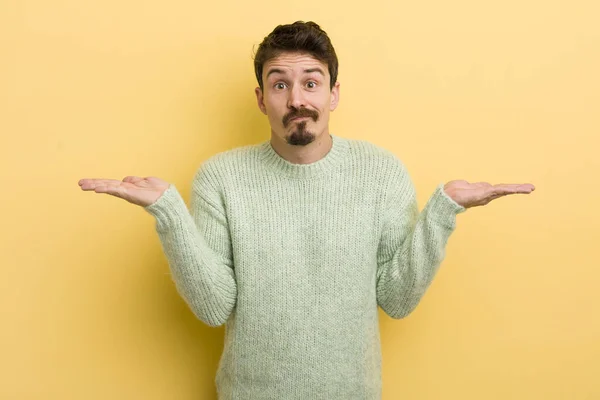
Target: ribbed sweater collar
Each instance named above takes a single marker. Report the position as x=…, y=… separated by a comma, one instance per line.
x=330, y=162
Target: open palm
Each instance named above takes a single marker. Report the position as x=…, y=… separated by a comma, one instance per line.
x=481, y=193
x=136, y=190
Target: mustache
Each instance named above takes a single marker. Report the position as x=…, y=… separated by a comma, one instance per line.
x=300, y=112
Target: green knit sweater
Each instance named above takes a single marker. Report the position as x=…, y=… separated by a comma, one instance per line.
x=295, y=259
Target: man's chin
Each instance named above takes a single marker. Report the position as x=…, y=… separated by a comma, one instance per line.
x=300, y=138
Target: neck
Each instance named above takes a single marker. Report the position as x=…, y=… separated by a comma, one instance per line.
x=308, y=154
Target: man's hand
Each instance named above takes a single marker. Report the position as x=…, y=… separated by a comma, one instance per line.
x=480, y=193
x=140, y=191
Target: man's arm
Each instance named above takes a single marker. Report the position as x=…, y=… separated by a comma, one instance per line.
x=197, y=246
x=412, y=245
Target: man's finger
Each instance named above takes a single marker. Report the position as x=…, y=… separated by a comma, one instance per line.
x=114, y=190
x=503, y=189
x=98, y=182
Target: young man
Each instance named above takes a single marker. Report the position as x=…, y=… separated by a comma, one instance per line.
x=293, y=243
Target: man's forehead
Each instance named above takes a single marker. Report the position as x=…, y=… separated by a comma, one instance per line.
x=298, y=62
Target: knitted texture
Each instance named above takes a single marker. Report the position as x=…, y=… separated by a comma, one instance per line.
x=295, y=259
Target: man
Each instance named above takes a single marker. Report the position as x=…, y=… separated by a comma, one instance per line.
x=293, y=243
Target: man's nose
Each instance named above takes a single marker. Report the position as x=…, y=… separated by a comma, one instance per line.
x=296, y=97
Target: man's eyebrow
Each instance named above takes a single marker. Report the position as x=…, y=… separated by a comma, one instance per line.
x=275, y=71
x=307, y=71
x=319, y=70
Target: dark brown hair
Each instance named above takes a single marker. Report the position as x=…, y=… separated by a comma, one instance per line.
x=304, y=37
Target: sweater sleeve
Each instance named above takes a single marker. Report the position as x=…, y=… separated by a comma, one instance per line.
x=412, y=246
x=197, y=246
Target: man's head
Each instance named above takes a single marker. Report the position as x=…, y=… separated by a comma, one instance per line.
x=296, y=68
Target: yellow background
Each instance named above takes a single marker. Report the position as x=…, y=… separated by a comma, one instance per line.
x=504, y=92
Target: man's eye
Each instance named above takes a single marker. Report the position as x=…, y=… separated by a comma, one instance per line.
x=312, y=84
x=279, y=85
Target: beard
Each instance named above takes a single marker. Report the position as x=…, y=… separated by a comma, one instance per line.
x=300, y=137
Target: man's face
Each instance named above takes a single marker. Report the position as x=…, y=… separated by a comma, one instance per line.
x=296, y=85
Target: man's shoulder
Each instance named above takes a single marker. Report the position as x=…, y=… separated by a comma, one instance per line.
x=363, y=146
x=229, y=157
x=218, y=166
x=374, y=154
x=239, y=153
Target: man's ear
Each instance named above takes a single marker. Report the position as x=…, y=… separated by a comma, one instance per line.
x=335, y=96
x=260, y=100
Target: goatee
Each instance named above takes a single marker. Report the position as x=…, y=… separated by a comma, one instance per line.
x=300, y=137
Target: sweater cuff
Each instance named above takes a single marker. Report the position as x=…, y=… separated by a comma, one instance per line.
x=442, y=208
x=167, y=209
